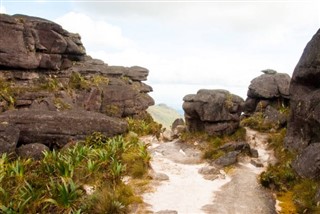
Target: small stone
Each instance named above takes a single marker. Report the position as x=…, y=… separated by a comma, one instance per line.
x=256, y=163
x=254, y=153
x=33, y=150
x=167, y=212
x=160, y=177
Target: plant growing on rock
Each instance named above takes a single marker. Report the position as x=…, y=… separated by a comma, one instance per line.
x=295, y=193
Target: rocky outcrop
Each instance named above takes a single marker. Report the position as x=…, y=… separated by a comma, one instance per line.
x=216, y=112
x=268, y=94
x=303, y=133
x=34, y=43
x=68, y=94
x=55, y=129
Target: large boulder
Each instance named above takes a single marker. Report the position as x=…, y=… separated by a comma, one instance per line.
x=216, y=112
x=267, y=89
x=30, y=43
x=58, y=92
x=304, y=123
x=268, y=86
x=268, y=96
x=55, y=129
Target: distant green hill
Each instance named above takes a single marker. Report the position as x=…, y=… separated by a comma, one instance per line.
x=164, y=114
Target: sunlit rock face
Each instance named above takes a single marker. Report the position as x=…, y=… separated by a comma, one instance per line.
x=59, y=92
x=216, y=112
x=303, y=134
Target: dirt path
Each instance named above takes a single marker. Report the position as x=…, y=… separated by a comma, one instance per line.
x=186, y=191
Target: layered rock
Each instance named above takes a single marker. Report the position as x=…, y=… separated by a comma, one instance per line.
x=34, y=43
x=269, y=94
x=45, y=69
x=303, y=134
x=216, y=112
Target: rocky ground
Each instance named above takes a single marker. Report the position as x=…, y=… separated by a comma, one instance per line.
x=183, y=183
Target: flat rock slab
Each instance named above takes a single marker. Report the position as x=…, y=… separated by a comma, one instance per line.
x=54, y=128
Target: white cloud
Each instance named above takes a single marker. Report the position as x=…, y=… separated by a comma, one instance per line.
x=95, y=34
x=188, y=46
x=2, y=9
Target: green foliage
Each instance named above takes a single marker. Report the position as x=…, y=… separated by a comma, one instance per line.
x=112, y=110
x=291, y=189
x=304, y=194
x=257, y=122
x=7, y=93
x=280, y=176
x=210, y=144
x=145, y=126
x=49, y=83
x=98, y=80
x=54, y=184
x=77, y=81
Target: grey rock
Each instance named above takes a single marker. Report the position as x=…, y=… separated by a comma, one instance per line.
x=33, y=150
x=307, y=164
x=55, y=129
x=209, y=170
x=227, y=159
x=29, y=43
x=256, y=163
x=137, y=73
x=243, y=147
x=9, y=136
x=274, y=116
x=254, y=153
x=177, y=122
x=167, y=135
x=167, y=212
x=160, y=177
x=268, y=86
x=216, y=112
x=304, y=122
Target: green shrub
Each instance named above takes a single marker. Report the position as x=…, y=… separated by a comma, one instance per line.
x=257, y=122
x=144, y=126
x=291, y=189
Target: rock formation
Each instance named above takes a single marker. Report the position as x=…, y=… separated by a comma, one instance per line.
x=303, y=134
x=52, y=92
x=267, y=94
x=216, y=112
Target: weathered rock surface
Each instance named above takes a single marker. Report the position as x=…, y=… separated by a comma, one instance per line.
x=45, y=68
x=30, y=43
x=55, y=129
x=303, y=133
x=33, y=150
x=9, y=136
x=268, y=95
x=216, y=112
x=227, y=159
x=307, y=164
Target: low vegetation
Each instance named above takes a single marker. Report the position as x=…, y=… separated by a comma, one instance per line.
x=144, y=126
x=257, y=122
x=296, y=194
x=210, y=144
x=84, y=178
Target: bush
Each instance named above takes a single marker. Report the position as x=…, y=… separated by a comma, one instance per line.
x=257, y=122
x=144, y=126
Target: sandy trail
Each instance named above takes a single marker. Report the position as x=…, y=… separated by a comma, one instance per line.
x=187, y=191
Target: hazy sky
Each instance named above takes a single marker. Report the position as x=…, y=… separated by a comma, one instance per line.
x=187, y=45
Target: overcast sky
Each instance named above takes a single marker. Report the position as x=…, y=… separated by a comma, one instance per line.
x=187, y=45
